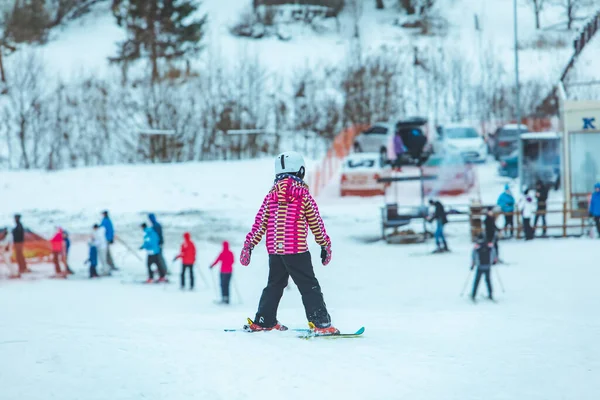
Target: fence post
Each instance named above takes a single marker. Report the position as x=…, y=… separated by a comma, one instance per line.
x=565, y=219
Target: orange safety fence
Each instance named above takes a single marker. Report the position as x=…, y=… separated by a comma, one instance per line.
x=329, y=166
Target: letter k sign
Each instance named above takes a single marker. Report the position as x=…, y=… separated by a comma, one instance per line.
x=588, y=123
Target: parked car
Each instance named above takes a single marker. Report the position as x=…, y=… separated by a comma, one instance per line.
x=506, y=140
x=462, y=140
x=454, y=176
x=380, y=138
x=360, y=173
x=509, y=165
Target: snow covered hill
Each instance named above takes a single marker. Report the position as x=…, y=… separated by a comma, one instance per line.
x=104, y=339
x=86, y=43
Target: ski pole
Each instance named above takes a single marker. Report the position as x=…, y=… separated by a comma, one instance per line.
x=237, y=291
x=203, y=278
x=500, y=280
x=462, y=293
x=129, y=248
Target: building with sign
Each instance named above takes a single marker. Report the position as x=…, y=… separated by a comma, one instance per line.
x=580, y=122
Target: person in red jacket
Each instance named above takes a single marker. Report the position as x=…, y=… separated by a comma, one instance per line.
x=188, y=258
x=59, y=252
x=226, y=259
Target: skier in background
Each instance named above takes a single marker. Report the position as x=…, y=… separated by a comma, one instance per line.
x=152, y=247
x=67, y=241
x=18, y=238
x=527, y=211
x=109, y=231
x=188, y=258
x=506, y=202
x=483, y=257
x=491, y=229
x=439, y=215
x=541, y=194
x=93, y=259
x=594, y=210
x=58, y=253
x=285, y=215
x=161, y=240
x=226, y=259
x=102, y=249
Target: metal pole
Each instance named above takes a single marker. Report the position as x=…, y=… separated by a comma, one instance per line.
x=462, y=292
x=517, y=85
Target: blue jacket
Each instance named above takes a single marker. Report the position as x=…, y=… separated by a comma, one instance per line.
x=151, y=241
x=93, y=256
x=595, y=202
x=506, y=202
x=157, y=227
x=108, y=228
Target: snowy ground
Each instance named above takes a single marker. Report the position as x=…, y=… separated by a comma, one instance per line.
x=106, y=339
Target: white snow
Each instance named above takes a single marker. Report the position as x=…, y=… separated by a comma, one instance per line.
x=80, y=339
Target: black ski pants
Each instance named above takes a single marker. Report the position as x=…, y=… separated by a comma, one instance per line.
x=155, y=259
x=225, y=281
x=528, y=228
x=482, y=270
x=509, y=223
x=183, y=270
x=299, y=267
x=597, y=220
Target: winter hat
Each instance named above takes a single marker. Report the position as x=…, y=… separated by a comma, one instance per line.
x=597, y=185
x=187, y=236
x=507, y=187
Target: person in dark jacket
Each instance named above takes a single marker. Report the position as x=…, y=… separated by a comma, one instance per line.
x=109, y=232
x=483, y=257
x=491, y=230
x=93, y=259
x=18, y=234
x=594, y=210
x=541, y=194
x=161, y=240
x=439, y=216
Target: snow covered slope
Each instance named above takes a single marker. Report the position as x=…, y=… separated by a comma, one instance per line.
x=78, y=339
x=85, y=44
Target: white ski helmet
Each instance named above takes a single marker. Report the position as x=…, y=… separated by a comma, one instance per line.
x=290, y=162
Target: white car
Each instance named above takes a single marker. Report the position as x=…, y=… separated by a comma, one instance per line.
x=360, y=172
x=462, y=140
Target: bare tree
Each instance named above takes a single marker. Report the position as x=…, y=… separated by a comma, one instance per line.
x=537, y=7
x=572, y=8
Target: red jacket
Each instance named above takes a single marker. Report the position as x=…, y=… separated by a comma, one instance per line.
x=57, y=242
x=226, y=260
x=188, y=250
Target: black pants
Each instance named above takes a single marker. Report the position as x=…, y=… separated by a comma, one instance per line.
x=597, y=220
x=155, y=259
x=541, y=214
x=93, y=271
x=191, y=268
x=528, y=228
x=509, y=222
x=482, y=271
x=299, y=267
x=225, y=280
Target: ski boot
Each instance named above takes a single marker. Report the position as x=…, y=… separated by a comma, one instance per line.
x=162, y=280
x=323, y=331
x=252, y=327
x=70, y=271
x=149, y=280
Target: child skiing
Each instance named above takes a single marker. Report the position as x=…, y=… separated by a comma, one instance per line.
x=286, y=213
x=226, y=260
x=93, y=259
x=188, y=258
x=153, y=249
x=483, y=257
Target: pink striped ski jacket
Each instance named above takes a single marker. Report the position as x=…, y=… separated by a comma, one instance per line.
x=285, y=215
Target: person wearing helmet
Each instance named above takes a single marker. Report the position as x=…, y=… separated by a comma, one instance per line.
x=286, y=214
x=483, y=256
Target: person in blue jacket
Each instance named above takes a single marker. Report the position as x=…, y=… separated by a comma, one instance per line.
x=506, y=202
x=161, y=240
x=595, y=206
x=109, y=232
x=93, y=259
x=152, y=247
